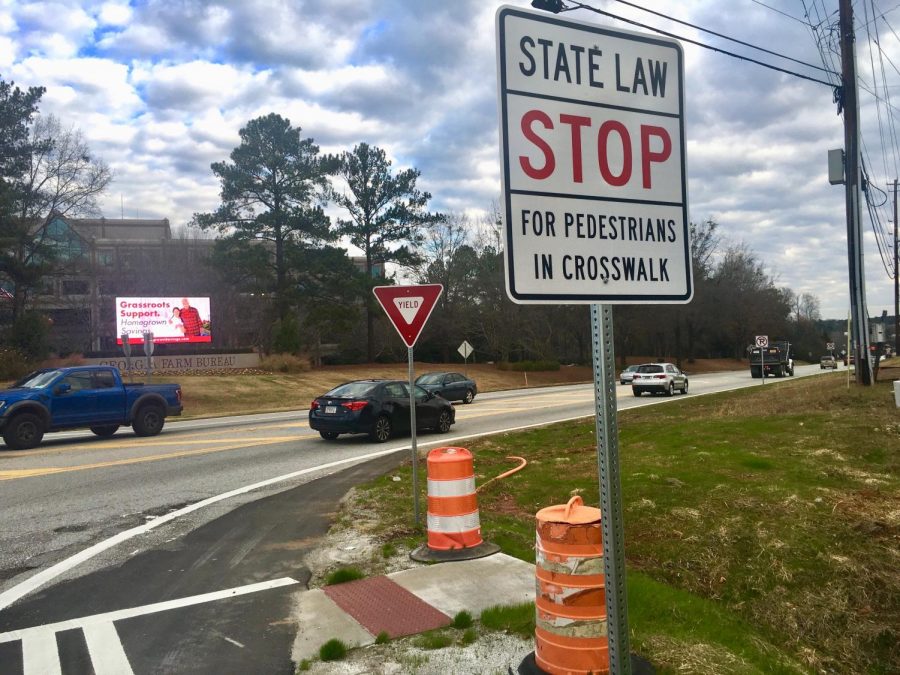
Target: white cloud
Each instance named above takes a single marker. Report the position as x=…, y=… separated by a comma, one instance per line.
x=160, y=90
x=114, y=13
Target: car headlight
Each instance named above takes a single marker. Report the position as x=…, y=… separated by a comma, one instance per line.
x=2, y=403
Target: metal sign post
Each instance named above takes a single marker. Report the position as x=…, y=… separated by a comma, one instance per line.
x=762, y=341
x=412, y=430
x=610, y=487
x=408, y=308
x=126, y=349
x=465, y=350
x=148, y=351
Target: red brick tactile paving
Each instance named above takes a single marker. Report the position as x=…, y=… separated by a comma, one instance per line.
x=379, y=604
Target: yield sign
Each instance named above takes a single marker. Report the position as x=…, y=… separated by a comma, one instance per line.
x=408, y=307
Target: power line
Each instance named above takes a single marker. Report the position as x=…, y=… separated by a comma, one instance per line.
x=579, y=5
x=805, y=23
x=725, y=37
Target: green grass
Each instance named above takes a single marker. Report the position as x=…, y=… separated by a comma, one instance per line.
x=333, y=650
x=462, y=619
x=343, y=575
x=513, y=619
x=760, y=525
x=433, y=640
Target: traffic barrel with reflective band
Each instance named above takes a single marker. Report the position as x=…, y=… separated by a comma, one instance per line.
x=453, y=521
x=570, y=605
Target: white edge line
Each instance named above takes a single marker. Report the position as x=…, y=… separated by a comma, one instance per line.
x=120, y=614
x=34, y=582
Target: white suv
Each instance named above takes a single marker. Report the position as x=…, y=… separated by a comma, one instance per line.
x=662, y=378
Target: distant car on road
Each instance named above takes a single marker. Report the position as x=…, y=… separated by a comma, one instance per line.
x=452, y=386
x=659, y=378
x=378, y=408
x=627, y=375
x=828, y=361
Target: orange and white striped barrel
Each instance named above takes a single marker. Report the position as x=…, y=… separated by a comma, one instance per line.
x=570, y=605
x=453, y=521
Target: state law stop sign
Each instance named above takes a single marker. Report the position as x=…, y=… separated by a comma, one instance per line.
x=592, y=149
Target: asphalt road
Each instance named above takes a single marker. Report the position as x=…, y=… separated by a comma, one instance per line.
x=75, y=490
x=92, y=526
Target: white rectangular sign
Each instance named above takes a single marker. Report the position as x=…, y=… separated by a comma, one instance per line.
x=594, y=176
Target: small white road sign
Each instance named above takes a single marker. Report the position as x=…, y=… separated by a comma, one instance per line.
x=593, y=155
x=829, y=346
x=465, y=349
x=762, y=340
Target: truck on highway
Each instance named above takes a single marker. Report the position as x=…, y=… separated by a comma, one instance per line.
x=93, y=397
x=776, y=359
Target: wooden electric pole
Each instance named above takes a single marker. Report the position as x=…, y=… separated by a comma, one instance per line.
x=850, y=100
x=896, y=282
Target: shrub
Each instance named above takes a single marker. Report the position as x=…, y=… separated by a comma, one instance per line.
x=528, y=365
x=30, y=335
x=343, y=575
x=13, y=364
x=284, y=363
x=382, y=638
x=333, y=650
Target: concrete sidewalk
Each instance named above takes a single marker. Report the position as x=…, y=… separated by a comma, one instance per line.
x=449, y=588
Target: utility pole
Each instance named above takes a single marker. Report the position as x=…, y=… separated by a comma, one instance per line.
x=860, y=317
x=896, y=282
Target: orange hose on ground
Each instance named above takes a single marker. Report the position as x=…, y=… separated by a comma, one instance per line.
x=505, y=473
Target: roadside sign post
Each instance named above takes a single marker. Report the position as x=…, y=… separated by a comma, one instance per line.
x=465, y=350
x=148, y=351
x=594, y=205
x=126, y=350
x=408, y=308
x=762, y=341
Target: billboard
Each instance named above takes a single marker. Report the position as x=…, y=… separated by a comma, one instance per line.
x=181, y=319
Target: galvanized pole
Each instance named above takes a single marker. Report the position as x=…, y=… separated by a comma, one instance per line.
x=412, y=428
x=610, y=488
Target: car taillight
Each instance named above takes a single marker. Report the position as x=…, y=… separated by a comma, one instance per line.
x=178, y=394
x=355, y=405
x=314, y=405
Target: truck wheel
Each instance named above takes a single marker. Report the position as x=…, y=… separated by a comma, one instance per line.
x=381, y=431
x=24, y=431
x=106, y=430
x=149, y=420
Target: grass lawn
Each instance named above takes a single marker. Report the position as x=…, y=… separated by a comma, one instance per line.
x=762, y=527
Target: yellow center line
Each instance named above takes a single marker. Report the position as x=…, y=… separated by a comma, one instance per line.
x=134, y=442
x=45, y=471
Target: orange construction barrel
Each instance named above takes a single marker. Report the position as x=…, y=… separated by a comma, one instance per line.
x=571, y=629
x=453, y=521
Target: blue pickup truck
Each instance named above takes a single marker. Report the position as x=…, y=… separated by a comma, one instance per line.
x=95, y=397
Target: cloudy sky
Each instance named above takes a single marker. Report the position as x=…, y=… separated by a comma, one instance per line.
x=160, y=89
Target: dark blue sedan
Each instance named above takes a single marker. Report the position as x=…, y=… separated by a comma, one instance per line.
x=378, y=408
x=451, y=386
